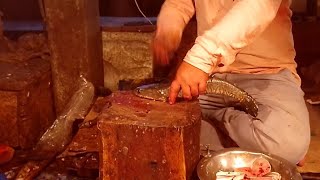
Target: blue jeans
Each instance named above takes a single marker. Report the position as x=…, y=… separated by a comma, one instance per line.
x=281, y=127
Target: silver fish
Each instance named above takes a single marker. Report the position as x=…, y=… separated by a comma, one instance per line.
x=215, y=85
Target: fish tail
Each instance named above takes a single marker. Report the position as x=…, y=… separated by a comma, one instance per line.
x=247, y=103
x=250, y=105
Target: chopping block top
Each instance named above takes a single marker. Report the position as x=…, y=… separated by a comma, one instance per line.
x=127, y=109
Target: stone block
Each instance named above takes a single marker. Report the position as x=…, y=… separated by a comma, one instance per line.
x=127, y=56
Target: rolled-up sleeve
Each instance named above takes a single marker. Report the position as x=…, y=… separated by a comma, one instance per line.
x=246, y=20
x=174, y=15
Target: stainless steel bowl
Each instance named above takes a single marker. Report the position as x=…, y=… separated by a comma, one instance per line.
x=227, y=159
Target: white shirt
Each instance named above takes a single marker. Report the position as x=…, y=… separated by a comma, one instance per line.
x=237, y=36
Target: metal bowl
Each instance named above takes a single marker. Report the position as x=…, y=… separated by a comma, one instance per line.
x=227, y=159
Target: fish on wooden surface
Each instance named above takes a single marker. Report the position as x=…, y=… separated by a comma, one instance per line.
x=215, y=85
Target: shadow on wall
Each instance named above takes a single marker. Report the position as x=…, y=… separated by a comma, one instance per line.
x=129, y=8
x=299, y=5
x=119, y=8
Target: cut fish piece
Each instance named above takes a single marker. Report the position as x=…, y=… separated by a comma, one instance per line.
x=260, y=167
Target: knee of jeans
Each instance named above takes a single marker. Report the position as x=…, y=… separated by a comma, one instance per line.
x=293, y=150
x=290, y=134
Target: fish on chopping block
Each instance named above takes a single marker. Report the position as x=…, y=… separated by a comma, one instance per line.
x=215, y=85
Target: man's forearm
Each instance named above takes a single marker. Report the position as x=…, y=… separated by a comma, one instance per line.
x=174, y=15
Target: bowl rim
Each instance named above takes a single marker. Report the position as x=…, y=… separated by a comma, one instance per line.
x=211, y=154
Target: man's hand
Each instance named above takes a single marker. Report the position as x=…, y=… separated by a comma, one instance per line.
x=191, y=80
x=165, y=43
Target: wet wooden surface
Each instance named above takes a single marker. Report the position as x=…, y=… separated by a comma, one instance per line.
x=148, y=139
x=80, y=158
x=26, y=108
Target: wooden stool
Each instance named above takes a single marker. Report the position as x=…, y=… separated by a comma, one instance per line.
x=144, y=139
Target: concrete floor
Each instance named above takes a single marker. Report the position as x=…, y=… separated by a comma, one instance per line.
x=311, y=89
x=312, y=164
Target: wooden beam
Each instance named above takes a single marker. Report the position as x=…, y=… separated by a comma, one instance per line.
x=75, y=41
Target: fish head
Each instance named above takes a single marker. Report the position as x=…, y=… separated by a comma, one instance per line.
x=156, y=91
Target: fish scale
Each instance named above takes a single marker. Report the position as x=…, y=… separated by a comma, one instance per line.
x=215, y=85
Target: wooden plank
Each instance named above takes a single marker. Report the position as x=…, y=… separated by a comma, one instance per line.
x=82, y=154
x=8, y=118
x=75, y=42
x=27, y=108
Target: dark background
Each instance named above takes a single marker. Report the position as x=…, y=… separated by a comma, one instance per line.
x=29, y=9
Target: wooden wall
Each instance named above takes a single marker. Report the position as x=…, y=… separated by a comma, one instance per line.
x=12, y=8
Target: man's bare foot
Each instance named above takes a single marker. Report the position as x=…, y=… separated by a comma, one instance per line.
x=302, y=162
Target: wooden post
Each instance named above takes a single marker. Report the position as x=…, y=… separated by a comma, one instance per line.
x=74, y=35
x=145, y=139
x=312, y=6
x=1, y=26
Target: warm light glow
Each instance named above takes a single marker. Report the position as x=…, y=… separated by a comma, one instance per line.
x=238, y=163
x=224, y=162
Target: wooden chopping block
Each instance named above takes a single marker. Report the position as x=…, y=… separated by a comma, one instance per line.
x=144, y=139
x=26, y=108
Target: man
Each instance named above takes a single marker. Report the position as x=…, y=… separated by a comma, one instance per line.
x=248, y=43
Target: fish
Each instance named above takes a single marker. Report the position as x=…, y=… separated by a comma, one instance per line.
x=57, y=137
x=215, y=85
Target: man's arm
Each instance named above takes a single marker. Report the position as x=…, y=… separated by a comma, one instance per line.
x=246, y=20
x=173, y=17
